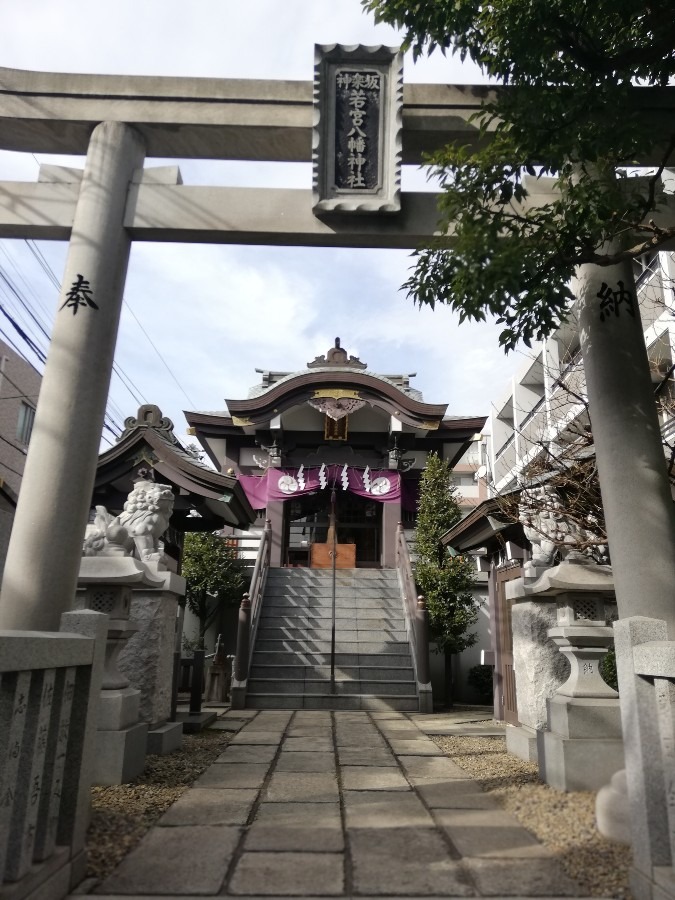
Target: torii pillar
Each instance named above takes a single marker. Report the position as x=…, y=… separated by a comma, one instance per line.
x=43, y=558
x=636, y=496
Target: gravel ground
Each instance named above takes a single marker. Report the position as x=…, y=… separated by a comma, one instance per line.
x=565, y=822
x=122, y=813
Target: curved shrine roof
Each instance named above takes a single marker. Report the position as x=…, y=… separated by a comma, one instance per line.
x=148, y=443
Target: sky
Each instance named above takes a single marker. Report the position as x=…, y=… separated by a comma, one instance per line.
x=199, y=319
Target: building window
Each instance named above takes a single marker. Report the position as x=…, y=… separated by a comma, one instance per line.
x=24, y=428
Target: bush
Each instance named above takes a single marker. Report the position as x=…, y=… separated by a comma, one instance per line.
x=608, y=669
x=480, y=679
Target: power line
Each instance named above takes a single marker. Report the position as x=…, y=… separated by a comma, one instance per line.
x=117, y=369
x=164, y=363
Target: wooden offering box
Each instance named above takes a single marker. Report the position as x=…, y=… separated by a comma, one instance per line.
x=345, y=557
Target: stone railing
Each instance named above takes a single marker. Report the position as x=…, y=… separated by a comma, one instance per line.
x=416, y=622
x=646, y=670
x=249, y=616
x=49, y=692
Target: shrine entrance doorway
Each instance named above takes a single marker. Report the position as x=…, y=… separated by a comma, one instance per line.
x=359, y=526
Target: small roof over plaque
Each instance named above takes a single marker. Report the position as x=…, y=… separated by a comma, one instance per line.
x=336, y=356
x=358, y=101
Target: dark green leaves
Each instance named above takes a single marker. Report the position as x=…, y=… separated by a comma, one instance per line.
x=539, y=197
x=446, y=581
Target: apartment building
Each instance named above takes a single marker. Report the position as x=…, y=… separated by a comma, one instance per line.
x=19, y=388
x=544, y=404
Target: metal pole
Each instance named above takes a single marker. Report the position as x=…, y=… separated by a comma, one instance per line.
x=422, y=641
x=197, y=678
x=174, y=684
x=332, y=631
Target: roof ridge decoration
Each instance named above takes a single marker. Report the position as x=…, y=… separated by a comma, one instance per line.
x=150, y=416
x=337, y=356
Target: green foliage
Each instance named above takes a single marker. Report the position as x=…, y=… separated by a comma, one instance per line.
x=608, y=669
x=446, y=581
x=480, y=679
x=573, y=112
x=215, y=577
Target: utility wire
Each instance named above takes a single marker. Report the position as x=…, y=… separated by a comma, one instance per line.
x=121, y=374
x=164, y=363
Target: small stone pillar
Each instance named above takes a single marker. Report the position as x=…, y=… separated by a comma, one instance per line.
x=147, y=659
x=105, y=585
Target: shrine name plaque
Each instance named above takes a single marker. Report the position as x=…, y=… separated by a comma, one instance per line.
x=358, y=101
x=345, y=557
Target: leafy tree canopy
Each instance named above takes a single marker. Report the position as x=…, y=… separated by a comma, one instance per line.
x=572, y=121
x=446, y=581
x=215, y=577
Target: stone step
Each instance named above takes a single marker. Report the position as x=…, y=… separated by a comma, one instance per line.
x=314, y=658
x=306, y=633
x=322, y=686
x=330, y=701
x=303, y=574
x=324, y=646
x=348, y=614
x=327, y=594
x=341, y=602
x=300, y=672
x=352, y=623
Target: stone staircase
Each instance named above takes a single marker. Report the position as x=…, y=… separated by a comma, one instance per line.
x=291, y=660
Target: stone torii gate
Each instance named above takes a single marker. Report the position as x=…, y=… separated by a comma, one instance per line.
x=118, y=122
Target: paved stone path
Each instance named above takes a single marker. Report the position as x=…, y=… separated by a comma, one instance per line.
x=315, y=804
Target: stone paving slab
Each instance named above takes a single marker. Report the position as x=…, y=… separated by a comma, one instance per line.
x=296, y=826
x=182, y=860
x=289, y=874
x=415, y=748
x=405, y=861
x=257, y=737
x=385, y=809
x=311, y=731
x=236, y=775
x=300, y=761
x=289, y=787
x=248, y=753
x=358, y=739
x=431, y=766
x=369, y=756
x=205, y=806
x=308, y=744
x=451, y=793
x=467, y=730
x=488, y=833
x=373, y=778
x=520, y=878
x=228, y=725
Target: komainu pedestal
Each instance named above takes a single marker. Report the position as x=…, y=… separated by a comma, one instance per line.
x=579, y=744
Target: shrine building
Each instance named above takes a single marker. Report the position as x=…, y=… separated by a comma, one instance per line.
x=333, y=430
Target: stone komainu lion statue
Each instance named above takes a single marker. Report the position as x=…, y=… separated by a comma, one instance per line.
x=146, y=516
x=142, y=522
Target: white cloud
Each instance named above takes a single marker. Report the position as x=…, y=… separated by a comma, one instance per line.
x=216, y=313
